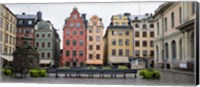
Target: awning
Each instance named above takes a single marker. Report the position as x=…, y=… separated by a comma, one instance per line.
x=45, y=61
x=118, y=59
x=7, y=57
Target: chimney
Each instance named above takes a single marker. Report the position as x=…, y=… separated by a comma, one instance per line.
x=100, y=19
x=136, y=18
x=146, y=14
x=83, y=16
x=39, y=15
x=23, y=13
x=127, y=14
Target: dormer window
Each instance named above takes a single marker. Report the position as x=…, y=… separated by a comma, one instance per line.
x=136, y=25
x=74, y=16
x=20, y=22
x=30, y=22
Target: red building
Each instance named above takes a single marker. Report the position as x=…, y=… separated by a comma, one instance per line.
x=25, y=28
x=74, y=40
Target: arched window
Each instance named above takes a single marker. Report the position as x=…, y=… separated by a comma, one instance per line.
x=166, y=51
x=173, y=50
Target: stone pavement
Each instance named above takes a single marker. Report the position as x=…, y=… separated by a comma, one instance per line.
x=176, y=71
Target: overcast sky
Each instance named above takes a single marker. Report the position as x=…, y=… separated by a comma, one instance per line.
x=57, y=13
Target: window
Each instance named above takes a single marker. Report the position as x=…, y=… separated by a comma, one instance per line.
x=113, y=52
x=49, y=44
x=68, y=42
x=43, y=54
x=30, y=22
x=152, y=53
x=94, y=23
x=1, y=22
x=74, y=42
x=77, y=24
x=137, y=53
x=74, y=16
x=90, y=38
x=158, y=28
x=98, y=56
x=43, y=35
x=144, y=26
x=152, y=34
x=127, y=42
x=127, y=52
x=98, y=47
x=81, y=32
x=113, y=41
x=193, y=7
x=113, y=32
x=127, y=33
x=165, y=24
x=43, y=44
x=37, y=35
x=81, y=42
x=67, y=53
x=90, y=47
x=144, y=43
x=90, y=30
x=144, y=53
x=97, y=38
x=172, y=19
x=48, y=55
x=98, y=30
x=120, y=42
x=49, y=35
x=151, y=25
x=137, y=34
x=173, y=50
x=68, y=32
x=137, y=43
x=74, y=52
x=71, y=24
x=120, y=52
x=116, y=23
x=123, y=23
x=151, y=44
x=180, y=14
x=74, y=33
x=80, y=53
x=20, y=22
x=136, y=25
x=144, y=34
x=90, y=56
x=120, y=33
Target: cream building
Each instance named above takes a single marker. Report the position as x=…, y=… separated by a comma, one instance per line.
x=7, y=34
x=143, y=27
x=95, y=41
x=119, y=40
x=174, y=35
x=8, y=30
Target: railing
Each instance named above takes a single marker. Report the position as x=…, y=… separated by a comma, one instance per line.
x=91, y=72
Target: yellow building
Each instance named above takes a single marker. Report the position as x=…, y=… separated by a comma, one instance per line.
x=95, y=41
x=119, y=40
x=7, y=30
